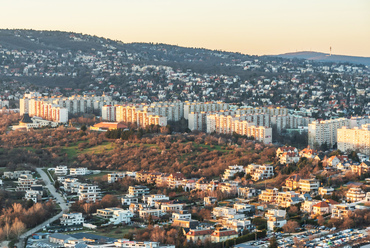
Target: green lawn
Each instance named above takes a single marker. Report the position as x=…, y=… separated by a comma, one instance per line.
x=116, y=233
x=73, y=151
x=97, y=176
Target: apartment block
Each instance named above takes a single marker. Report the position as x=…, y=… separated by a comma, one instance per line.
x=321, y=132
x=354, y=139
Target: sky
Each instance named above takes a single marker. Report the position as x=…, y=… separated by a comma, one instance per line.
x=258, y=27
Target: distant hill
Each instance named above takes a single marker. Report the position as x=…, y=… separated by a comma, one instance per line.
x=325, y=57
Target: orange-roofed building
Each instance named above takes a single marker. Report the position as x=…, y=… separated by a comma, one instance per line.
x=105, y=126
x=321, y=208
x=201, y=235
x=223, y=235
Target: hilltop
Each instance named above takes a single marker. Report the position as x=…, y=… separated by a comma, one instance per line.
x=325, y=57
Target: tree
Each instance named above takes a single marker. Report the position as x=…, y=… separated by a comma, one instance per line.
x=320, y=220
x=18, y=227
x=83, y=128
x=7, y=230
x=290, y=226
x=273, y=242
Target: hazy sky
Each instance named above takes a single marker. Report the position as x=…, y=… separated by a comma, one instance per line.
x=252, y=27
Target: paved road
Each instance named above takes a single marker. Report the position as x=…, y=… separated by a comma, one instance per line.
x=57, y=196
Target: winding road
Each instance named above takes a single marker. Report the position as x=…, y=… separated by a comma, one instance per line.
x=58, y=197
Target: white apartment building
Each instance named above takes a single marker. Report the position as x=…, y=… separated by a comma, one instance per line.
x=223, y=211
x=309, y=185
x=125, y=243
x=127, y=200
x=115, y=215
x=25, y=182
x=231, y=171
x=115, y=177
x=320, y=132
x=355, y=139
x=355, y=194
x=144, y=213
x=172, y=207
x=72, y=219
x=16, y=174
x=33, y=195
x=247, y=192
x=286, y=199
x=307, y=206
x=71, y=185
x=156, y=197
x=197, y=121
x=88, y=192
x=181, y=216
x=341, y=211
x=61, y=170
x=263, y=172
x=138, y=190
x=268, y=195
x=81, y=171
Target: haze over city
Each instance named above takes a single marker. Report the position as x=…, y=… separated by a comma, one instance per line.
x=251, y=27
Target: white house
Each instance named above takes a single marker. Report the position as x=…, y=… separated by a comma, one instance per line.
x=81, y=171
x=61, y=170
x=156, y=197
x=72, y=219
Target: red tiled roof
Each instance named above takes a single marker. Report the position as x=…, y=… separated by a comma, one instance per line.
x=224, y=233
x=321, y=205
x=199, y=232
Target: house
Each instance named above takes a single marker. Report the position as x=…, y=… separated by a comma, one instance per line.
x=72, y=219
x=286, y=199
x=231, y=171
x=276, y=218
x=25, y=181
x=340, y=211
x=333, y=161
x=198, y=234
x=16, y=174
x=321, y=208
x=244, y=208
x=88, y=192
x=223, y=211
x=172, y=207
x=284, y=149
x=208, y=200
x=71, y=185
x=183, y=215
x=325, y=191
x=192, y=224
x=268, y=195
x=247, y=192
x=61, y=170
x=362, y=168
x=138, y=190
x=115, y=215
x=309, y=185
x=222, y=235
x=155, y=197
x=115, y=177
x=263, y=172
x=175, y=180
x=355, y=194
x=33, y=195
x=127, y=200
x=82, y=171
x=292, y=182
x=144, y=213
x=307, y=206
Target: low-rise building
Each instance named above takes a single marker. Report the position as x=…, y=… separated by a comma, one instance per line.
x=208, y=200
x=198, y=234
x=325, y=191
x=222, y=235
x=151, y=199
x=144, y=213
x=88, y=192
x=340, y=211
x=72, y=219
x=286, y=199
x=115, y=177
x=172, y=207
x=355, y=194
x=81, y=171
x=138, y=190
x=127, y=200
x=183, y=215
x=192, y=224
x=247, y=192
x=231, y=171
x=223, y=211
x=268, y=195
x=309, y=185
x=321, y=208
x=276, y=218
x=61, y=170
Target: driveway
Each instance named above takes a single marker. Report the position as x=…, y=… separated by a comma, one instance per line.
x=50, y=186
